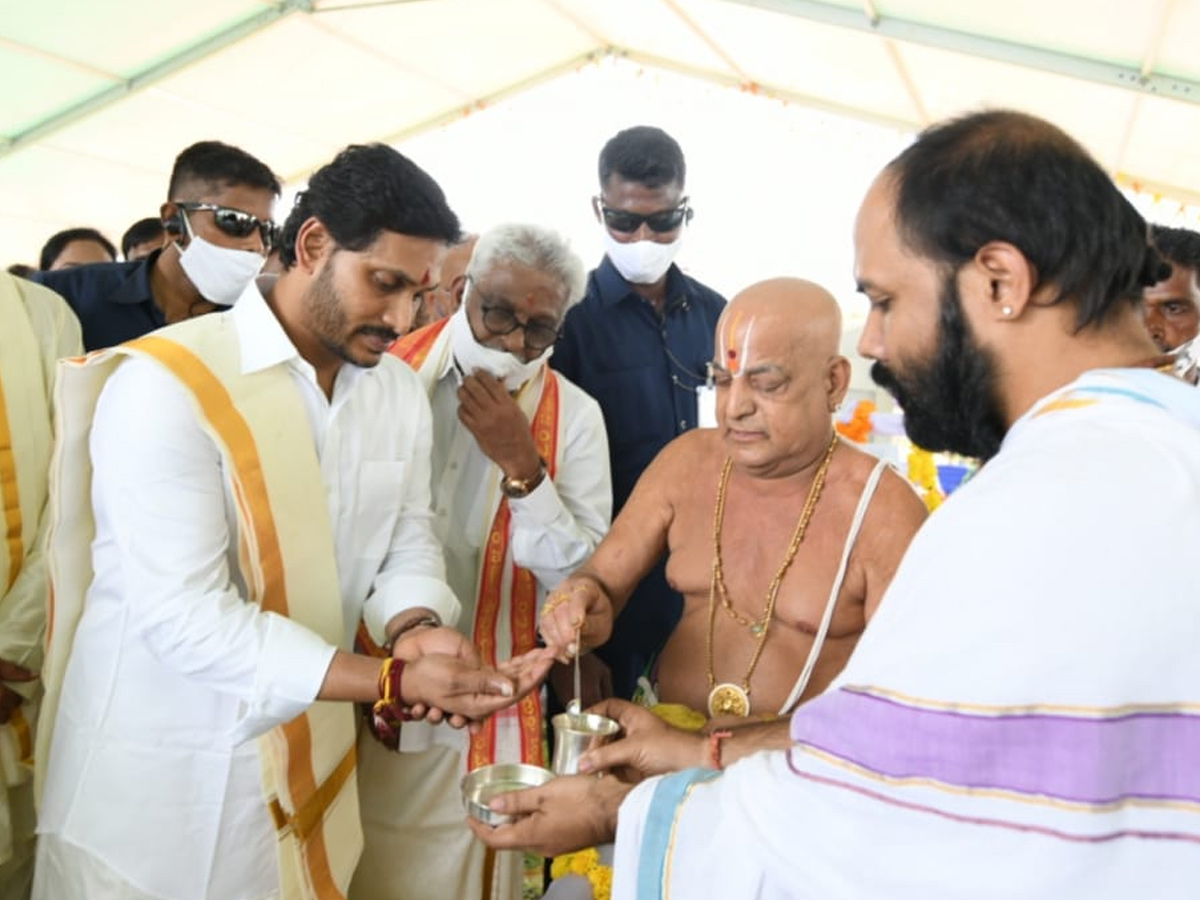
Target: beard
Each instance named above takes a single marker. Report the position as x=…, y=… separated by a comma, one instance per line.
x=327, y=315
x=950, y=402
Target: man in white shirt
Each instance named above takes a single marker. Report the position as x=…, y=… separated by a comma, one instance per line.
x=260, y=484
x=1021, y=718
x=522, y=495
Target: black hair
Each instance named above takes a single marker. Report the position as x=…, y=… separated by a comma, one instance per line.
x=1179, y=246
x=1007, y=176
x=215, y=163
x=58, y=243
x=644, y=154
x=368, y=189
x=20, y=270
x=139, y=232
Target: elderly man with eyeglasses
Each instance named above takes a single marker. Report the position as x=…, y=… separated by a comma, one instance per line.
x=218, y=218
x=521, y=497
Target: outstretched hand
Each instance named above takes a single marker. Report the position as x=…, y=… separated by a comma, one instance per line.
x=522, y=674
x=647, y=746
x=528, y=670
x=450, y=684
x=566, y=814
x=444, y=640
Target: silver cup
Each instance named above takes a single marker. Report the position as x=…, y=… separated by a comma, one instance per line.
x=576, y=734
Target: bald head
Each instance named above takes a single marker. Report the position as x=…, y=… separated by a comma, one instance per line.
x=800, y=313
x=779, y=375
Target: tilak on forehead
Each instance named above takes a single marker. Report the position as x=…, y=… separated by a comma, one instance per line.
x=425, y=279
x=731, y=355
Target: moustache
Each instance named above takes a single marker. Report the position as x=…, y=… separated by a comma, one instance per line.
x=379, y=331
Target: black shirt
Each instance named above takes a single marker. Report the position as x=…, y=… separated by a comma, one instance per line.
x=643, y=370
x=112, y=300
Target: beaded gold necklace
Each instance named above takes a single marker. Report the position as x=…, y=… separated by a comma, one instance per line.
x=728, y=699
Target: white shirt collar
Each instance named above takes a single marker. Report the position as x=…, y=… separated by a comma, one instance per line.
x=263, y=342
x=261, y=339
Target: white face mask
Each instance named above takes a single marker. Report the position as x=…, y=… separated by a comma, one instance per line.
x=474, y=357
x=641, y=262
x=219, y=273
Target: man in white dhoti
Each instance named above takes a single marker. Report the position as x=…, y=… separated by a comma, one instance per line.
x=36, y=329
x=522, y=495
x=251, y=485
x=1022, y=717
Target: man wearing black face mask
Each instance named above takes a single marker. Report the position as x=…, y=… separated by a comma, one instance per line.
x=218, y=215
x=640, y=342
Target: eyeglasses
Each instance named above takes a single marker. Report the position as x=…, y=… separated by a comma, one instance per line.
x=500, y=320
x=662, y=221
x=235, y=222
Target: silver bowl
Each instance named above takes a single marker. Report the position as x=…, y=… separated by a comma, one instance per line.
x=483, y=785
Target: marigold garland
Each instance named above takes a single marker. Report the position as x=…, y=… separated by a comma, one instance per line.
x=859, y=428
x=922, y=472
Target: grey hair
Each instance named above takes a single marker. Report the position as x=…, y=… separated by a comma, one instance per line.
x=534, y=246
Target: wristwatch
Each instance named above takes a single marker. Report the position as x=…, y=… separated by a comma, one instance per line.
x=516, y=488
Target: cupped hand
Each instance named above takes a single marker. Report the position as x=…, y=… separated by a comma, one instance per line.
x=451, y=685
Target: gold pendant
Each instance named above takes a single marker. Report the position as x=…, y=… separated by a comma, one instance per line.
x=728, y=700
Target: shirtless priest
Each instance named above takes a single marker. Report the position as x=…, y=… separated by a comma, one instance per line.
x=781, y=537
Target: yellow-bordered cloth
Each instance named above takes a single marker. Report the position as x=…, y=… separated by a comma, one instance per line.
x=285, y=554
x=35, y=327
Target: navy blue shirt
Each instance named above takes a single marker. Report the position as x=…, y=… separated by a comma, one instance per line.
x=643, y=370
x=112, y=300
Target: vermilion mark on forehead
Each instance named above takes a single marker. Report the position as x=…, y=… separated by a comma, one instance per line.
x=425, y=278
x=730, y=332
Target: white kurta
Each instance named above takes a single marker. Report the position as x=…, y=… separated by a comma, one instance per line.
x=417, y=843
x=154, y=771
x=1022, y=717
x=36, y=329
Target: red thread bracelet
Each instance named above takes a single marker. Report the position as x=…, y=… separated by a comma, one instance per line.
x=388, y=712
x=714, y=748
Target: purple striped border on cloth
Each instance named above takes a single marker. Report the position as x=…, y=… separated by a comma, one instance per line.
x=1144, y=756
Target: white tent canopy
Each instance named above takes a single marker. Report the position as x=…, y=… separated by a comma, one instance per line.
x=98, y=97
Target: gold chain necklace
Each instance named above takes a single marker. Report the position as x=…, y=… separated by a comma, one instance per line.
x=729, y=699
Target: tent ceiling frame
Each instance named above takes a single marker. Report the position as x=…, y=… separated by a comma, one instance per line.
x=1111, y=74
x=154, y=74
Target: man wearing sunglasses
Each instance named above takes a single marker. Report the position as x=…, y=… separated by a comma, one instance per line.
x=218, y=220
x=640, y=342
x=522, y=495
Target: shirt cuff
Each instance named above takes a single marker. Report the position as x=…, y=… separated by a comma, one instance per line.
x=406, y=592
x=292, y=668
x=541, y=506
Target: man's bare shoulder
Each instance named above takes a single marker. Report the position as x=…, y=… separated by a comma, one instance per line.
x=896, y=510
x=678, y=461
x=668, y=479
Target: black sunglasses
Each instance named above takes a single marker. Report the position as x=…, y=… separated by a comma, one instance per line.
x=235, y=222
x=500, y=320
x=662, y=221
